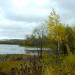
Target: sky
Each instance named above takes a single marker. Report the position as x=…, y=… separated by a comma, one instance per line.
x=19, y=17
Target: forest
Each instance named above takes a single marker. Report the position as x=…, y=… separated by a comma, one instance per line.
x=53, y=35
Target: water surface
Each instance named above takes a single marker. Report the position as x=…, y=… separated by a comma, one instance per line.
x=11, y=49
x=16, y=49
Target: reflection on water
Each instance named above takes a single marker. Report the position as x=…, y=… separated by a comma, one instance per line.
x=16, y=49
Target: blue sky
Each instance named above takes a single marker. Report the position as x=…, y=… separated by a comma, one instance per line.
x=19, y=17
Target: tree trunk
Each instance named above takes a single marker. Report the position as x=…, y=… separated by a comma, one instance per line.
x=58, y=47
x=68, y=49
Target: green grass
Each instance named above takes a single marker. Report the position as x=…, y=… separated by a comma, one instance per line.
x=6, y=66
x=10, y=61
x=67, y=64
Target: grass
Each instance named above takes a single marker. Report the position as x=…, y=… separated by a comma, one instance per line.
x=6, y=66
x=66, y=66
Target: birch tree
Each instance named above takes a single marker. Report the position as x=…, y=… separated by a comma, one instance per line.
x=57, y=31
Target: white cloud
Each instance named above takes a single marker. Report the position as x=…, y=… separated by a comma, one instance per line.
x=20, y=4
x=20, y=17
